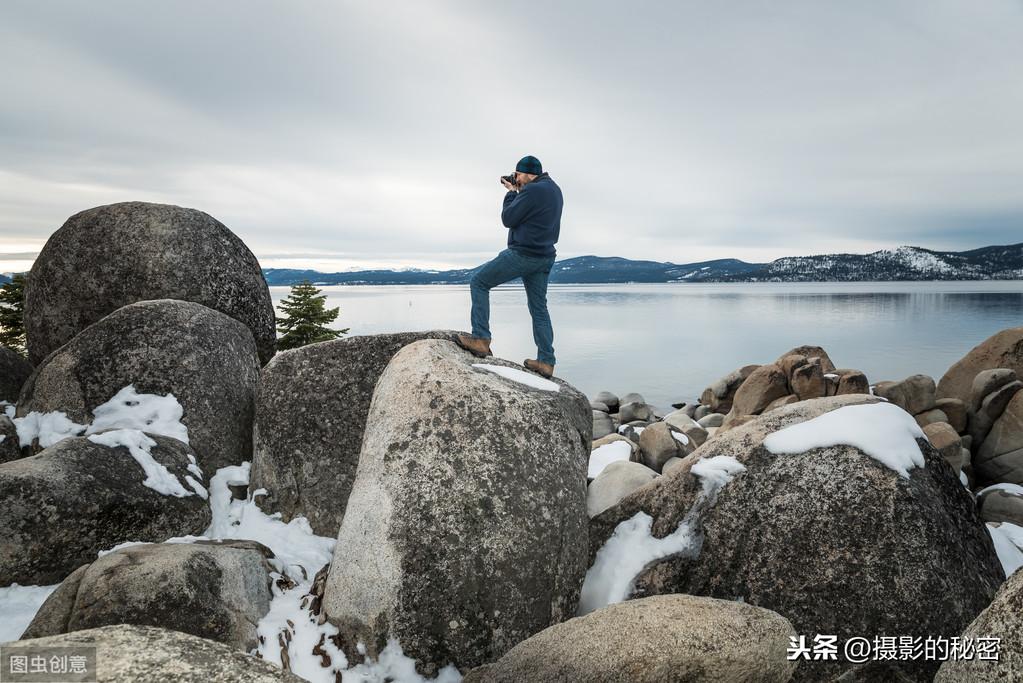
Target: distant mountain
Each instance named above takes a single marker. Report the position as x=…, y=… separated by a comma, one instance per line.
x=4, y=279
x=904, y=263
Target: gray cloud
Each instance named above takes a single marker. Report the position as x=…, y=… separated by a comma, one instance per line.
x=373, y=132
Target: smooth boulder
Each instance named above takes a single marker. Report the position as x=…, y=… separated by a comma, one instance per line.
x=77, y=497
x=660, y=639
x=1001, y=620
x=128, y=654
x=311, y=408
x=206, y=359
x=1000, y=456
x=616, y=481
x=1001, y=350
x=830, y=538
x=465, y=531
x=212, y=590
x=110, y=256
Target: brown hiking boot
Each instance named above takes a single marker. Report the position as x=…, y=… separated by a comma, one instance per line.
x=477, y=346
x=540, y=368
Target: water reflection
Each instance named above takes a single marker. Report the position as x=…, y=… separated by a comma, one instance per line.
x=670, y=341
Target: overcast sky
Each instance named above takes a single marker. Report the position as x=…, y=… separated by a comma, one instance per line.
x=336, y=135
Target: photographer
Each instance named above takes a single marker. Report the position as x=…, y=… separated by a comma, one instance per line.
x=532, y=214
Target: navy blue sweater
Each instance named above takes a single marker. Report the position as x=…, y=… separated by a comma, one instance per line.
x=533, y=216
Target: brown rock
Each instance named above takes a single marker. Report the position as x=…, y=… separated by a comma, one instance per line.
x=1001, y=350
x=955, y=410
x=930, y=416
x=764, y=385
x=986, y=382
x=1000, y=456
x=807, y=381
x=812, y=352
x=788, y=364
x=660, y=639
x=661, y=441
x=991, y=408
x=946, y=441
x=783, y=401
x=852, y=382
x=915, y=394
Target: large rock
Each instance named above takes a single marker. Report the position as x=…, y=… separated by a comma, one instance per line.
x=128, y=654
x=807, y=381
x=955, y=410
x=311, y=409
x=661, y=441
x=616, y=481
x=915, y=394
x=1000, y=625
x=985, y=383
x=1000, y=456
x=212, y=590
x=109, y=256
x=1001, y=350
x=810, y=351
x=465, y=531
x=719, y=395
x=851, y=382
x=830, y=538
x=764, y=385
x=608, y=399
x=206, y=359
x=660, y=639
x=77, y=497
x=1000, y=505
x=980, y=422
x=14, y=370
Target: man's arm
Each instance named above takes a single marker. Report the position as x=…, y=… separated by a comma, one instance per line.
x=516, y=207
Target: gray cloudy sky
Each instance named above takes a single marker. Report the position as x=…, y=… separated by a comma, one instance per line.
x=335, y=135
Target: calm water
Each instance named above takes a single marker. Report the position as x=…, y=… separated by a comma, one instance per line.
x=669, y=341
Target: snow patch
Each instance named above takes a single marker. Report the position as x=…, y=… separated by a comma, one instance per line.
x=602, y=456
x=1008, y=540
x=138, y=444
x=679, y=436
x=152, y=413
x=49, y=428
x=883, y=431
x=632, y=546
x=520, y=376
x=1014, y=489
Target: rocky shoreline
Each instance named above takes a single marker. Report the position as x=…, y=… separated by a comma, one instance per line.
x=389, y=507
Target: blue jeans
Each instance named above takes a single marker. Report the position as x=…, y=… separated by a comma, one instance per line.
x=534, y=271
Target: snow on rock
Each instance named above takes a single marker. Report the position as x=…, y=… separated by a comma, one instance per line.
x=604, y=455
x=18, y=605
x=1014, y=489
x=883, y=431
x=152, y=413
x=962, y=478
x=49, y=428
x=290, y=621
x=1008, y=540
x=679, y=436
x=520, y=376
x=301, y=552
x=158, y=477
x=632, y=547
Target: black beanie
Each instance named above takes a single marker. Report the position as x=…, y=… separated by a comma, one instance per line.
x=529, y=164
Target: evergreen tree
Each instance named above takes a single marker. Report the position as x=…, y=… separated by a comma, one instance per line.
x=306, y=319
x=12, y=313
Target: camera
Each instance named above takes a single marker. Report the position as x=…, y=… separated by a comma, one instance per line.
x=509, y=178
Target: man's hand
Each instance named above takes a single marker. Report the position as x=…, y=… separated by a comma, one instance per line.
x=511, y=186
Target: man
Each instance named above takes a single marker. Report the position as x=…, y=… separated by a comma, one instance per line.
x=532, y=214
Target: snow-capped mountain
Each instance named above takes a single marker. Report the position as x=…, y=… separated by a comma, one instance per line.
x=904, y=263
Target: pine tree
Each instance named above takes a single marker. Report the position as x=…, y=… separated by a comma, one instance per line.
x=12, y=313
x=306, y=319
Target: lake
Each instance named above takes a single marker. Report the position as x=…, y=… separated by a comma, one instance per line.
x=669, y=341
